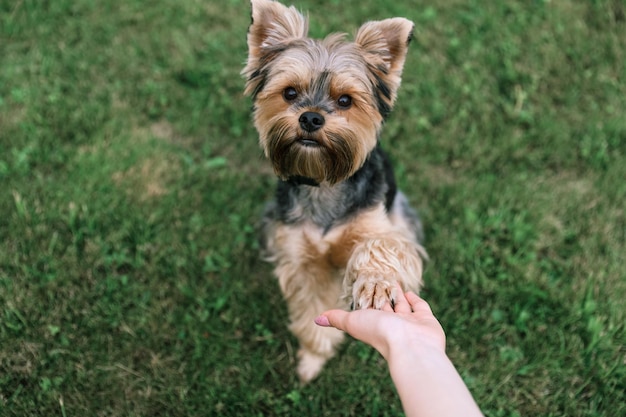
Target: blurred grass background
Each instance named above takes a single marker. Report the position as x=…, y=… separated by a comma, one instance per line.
x=131, y=179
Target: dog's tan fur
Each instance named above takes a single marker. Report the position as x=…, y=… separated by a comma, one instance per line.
x=358, y=261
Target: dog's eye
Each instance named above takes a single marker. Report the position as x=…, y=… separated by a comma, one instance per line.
x=290, y=94
x=344, y=101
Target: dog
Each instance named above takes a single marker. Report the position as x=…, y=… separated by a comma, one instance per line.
x=339, y=232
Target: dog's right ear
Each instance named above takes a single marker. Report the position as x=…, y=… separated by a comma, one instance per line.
x=273, y=25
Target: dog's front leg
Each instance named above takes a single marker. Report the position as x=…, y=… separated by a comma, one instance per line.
x=310, y=286
x=375, y=265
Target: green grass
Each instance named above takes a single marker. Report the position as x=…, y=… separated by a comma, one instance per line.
x=131, y=180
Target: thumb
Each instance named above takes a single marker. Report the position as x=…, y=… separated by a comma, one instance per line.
x=332, y=318
x=363, y=325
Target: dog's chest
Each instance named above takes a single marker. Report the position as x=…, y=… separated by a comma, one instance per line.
x=312, y=243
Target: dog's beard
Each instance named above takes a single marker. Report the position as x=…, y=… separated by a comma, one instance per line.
x=322, y=156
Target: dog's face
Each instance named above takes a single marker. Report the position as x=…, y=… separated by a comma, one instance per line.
x=319, y=104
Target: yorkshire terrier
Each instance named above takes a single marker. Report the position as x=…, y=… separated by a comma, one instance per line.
x=339, y=232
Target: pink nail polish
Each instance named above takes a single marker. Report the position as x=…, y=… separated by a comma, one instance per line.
x=322, y=321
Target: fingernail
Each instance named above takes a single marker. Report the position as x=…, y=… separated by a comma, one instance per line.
x=322, y=321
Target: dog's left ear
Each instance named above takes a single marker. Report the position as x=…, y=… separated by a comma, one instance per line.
x=385, y=43
x=273, y=26
x=387, y=40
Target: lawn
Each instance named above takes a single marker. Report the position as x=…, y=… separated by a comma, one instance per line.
x=131, y=181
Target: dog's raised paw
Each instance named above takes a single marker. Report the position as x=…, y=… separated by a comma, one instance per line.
x=371, y=291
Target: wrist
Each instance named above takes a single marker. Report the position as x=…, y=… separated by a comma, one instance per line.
x=416, y=355
x=414, y=343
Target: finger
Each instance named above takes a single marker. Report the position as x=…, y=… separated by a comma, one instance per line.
x=387, y=307
x=418, y=304
x=401, y=303
x=323, y=321
x=364, y=325
x=332, y=318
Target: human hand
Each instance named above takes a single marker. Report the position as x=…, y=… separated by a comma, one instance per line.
x=410, y=323
x=413, y=342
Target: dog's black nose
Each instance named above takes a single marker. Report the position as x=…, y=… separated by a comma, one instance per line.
x=311, y=121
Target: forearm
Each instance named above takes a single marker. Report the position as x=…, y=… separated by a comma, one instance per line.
x=429, y=385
